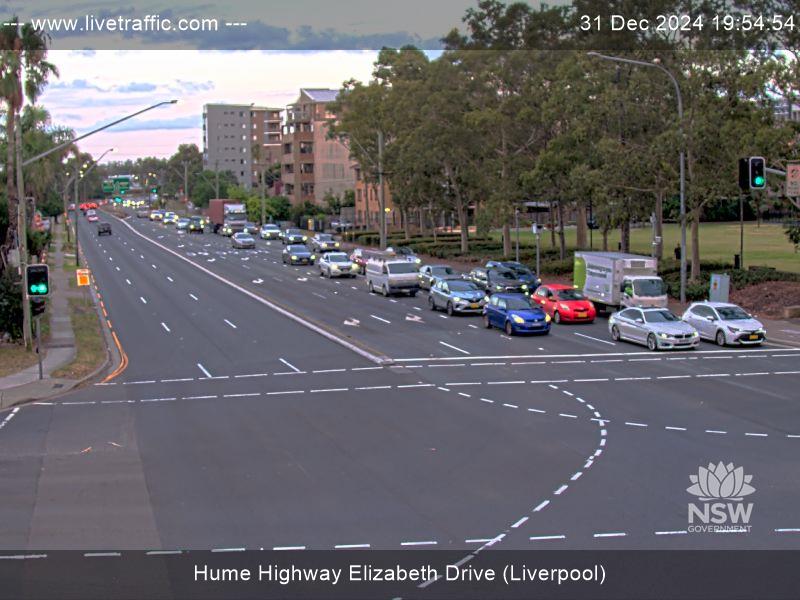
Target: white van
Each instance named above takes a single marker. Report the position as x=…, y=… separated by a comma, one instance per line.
x=391, y=276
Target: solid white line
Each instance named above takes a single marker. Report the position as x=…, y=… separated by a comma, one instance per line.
x=203, y=369
x=541, y=506
x=595, y=339
x=518, y=523
x=380, y=319
x=229, y=323
x=453, y=347
x=615, y=534
x=429, y=543
x=546, y=537
x=290, y=365
x=165, y=327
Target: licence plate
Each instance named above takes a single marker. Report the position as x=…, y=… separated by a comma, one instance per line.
x=753, y=336
x=580, y=315
x=474, y=305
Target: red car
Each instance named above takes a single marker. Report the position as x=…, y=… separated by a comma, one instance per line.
x=358, y=258
x=564, y=303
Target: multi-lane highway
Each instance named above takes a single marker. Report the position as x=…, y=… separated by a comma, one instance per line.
x=265, y=407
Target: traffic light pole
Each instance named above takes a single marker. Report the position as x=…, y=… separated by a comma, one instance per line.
x=22, y=238
x=38, y=344
x=76, y=214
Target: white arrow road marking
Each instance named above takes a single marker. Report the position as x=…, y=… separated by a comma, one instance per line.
x=258, y=281
x=352, y=322
x=414, y=318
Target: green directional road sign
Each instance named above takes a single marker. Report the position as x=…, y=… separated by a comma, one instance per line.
x=108, y=187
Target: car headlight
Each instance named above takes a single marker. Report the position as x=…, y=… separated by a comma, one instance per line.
x=335, y=267
x=733, y=329
x=305, y=238
x=498, y=287
x=662, y=335
x=336, y=245
x=547, y=318
x=417, y=260
x=313, y=257
x=294, y=257
x=695, y=334
x=517, y=319
x=564, y=306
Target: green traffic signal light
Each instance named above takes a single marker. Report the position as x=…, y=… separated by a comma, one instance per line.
x=38, y=280
x=759, y=181
x=38, y=289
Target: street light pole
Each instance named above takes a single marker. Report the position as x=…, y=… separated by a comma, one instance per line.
x=381, y=196
x=516, y=224
x=78, y=178
x=682, y=153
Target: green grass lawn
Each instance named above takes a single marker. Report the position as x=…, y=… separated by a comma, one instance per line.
x=764, y=246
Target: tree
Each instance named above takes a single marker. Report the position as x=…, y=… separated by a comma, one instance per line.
x=24, y=72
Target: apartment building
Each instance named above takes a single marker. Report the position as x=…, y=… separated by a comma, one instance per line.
x=313, y=165
x=786, y=111
x=368, y=208
x=242, y=138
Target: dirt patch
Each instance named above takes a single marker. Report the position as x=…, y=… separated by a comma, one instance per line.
x=768, y=298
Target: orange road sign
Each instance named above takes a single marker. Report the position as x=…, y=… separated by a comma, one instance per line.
x=82, y=275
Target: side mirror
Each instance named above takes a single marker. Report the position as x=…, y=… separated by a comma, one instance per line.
x=640, y=320
x=711, y=319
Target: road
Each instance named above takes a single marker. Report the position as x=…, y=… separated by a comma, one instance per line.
x=367, y=422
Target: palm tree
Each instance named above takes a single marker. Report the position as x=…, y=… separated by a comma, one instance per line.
x=23, y=49
x=38, y=135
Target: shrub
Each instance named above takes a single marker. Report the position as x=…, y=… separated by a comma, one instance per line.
x=11, y=303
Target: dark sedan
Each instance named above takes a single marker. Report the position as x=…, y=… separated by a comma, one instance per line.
x=243, y=240
x=297, y=254
x=294, y=236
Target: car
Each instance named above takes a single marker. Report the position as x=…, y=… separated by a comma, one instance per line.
x=725, y=323
x=359, y=258
x=297, y=254
x=182, y=224
x=243, y=240
x=656, y=328
x=341, y=226
x=270, y=231
x=429, y=273
x=514, y=313
x=169, y=217
x=405, y=253
x=250, y=227
x=324, y=242
x=336, y=264
x=564, y=303
x=156, y=215
x=494, y=280
x=389, y=275
x=91, y=216
x=456, y=295
x=103, y=229
x=71, y=206
x=294, y=236
x=142, y=213
x=196, y=225
x=226, y=230
x=521, y=272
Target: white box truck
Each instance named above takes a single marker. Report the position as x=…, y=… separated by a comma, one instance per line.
x=614, y=279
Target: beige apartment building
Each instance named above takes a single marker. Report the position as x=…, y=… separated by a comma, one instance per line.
x=313, y=165
x=242, y=138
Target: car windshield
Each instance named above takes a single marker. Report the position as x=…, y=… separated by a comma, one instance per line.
x=462, y=286
x=401, y=268
x=518, y=304
x=297, y=248
x=520, y=269
x=241, y=236
x=90, y=212
x=338, y=258
x=570, y=295
x=292, y=232
x=440, y=271
x=659, y=316
x=501, y=275
x=235, y=216
x=269, y=226
x=648, y=287
x=183, y=220
x=196, y=219
x=732, y=313
x=324, y=237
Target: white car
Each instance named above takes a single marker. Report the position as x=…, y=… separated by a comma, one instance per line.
x=270, y=231
x=656, y=328
x=336, y=264
x=725, y=323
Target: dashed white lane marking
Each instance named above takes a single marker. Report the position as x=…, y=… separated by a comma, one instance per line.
x=227, y=549
x=675, y=532
x=561, y=490
x=380, y=319
x=290, y=365
x=162, y=552
x=716, y=431
x=101, y=554
x=510, y=405
x=756, y=434
x=541, y=505
x=278, y=548
x=155, y=267
x=164, y=325
x=611, y=534
x=170, y=279
x=22, y=556
x=198, y=397
x=9, y=416
x=567, y=415
x=248, y=395
x=330, y=390
x=536, y=538
x=128, y=281
x=788, y=530
x=193, y=297
x=634, y=424
x=478, y=541
x=143, y=299
x=674, y=428
x=204, y=370
x=230, y=324
x=519, y=523
x=424, y=543
x=456, y=348
x=350, y=546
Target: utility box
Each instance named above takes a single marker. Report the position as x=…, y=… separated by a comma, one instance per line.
x=719, y=288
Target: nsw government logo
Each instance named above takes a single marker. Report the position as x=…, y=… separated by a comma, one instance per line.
x=720, y=490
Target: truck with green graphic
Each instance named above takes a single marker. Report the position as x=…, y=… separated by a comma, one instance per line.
x=615, y=280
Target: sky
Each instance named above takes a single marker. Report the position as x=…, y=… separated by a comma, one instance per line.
x=97, y=87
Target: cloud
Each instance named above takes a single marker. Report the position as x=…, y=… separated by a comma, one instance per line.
x=77, y=85
x=181, y=86
x=136, y=87
x=187, y=122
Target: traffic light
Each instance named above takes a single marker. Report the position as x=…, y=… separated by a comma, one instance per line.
x=758, y=173
x=37, y=306
x=38, y=280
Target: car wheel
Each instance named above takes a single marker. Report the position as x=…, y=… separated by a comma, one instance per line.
x=431, y=303
x=385, y=291
x=413, y=294
x=652, y=343
x=486, y=323
x=370, y=288
x=615, y=333
x=721, y=341
x=450, y=310
x=557, y=317
x=509, y=329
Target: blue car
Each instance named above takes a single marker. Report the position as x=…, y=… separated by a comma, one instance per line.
x=514, y=313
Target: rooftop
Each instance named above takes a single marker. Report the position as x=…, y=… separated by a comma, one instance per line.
x=320, y=94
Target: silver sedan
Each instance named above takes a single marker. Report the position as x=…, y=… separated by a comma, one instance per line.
x=656, y=328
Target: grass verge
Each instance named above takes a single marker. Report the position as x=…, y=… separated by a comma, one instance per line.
x=14, y=358
x=90, y=346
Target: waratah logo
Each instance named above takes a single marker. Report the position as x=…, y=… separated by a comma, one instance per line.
x=722, y=481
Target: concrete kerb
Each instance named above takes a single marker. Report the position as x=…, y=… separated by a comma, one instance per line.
x=315, y=327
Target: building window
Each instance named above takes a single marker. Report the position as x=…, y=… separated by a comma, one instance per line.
x=307, y=168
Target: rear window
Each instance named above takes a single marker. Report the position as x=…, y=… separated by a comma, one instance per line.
x=402, y=268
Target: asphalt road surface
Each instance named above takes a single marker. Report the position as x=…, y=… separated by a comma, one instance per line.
x=266, y=407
